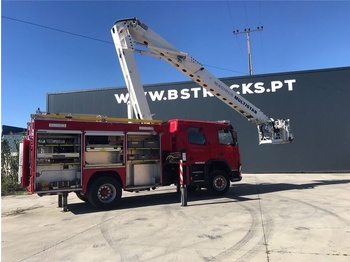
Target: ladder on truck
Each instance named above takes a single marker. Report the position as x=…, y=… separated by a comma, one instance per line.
x=93, y=118
x=130, y=33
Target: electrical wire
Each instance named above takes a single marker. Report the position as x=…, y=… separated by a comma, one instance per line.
x=229, y=10
x=86, y=37
x=57, y=30
x=262, y=51
x=260, y=13
x=243, y=73
x=236, y=38
x=246, y=14
x=261, y=41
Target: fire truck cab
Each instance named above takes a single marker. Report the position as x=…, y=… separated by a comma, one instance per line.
x=209, y=150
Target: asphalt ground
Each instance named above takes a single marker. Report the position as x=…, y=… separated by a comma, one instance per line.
x=265, y=217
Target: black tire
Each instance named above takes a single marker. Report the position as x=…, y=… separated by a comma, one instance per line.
x=219, y=183
x=82, y=196
x=191, y=188
x=105, y=193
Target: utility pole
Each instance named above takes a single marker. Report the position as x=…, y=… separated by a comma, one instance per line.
x=247, y=31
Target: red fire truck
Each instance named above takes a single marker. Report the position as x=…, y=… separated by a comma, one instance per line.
x=97, y=157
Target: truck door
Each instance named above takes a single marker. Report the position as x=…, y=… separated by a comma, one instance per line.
x=227, y=148
x=198, y=150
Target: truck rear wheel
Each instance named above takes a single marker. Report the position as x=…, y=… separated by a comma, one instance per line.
x=219, y=183
x=105, y=193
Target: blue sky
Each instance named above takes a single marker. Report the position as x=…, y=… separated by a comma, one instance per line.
x=297, y=35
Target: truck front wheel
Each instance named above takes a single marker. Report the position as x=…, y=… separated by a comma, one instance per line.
x=219, y=183
x=105, y=193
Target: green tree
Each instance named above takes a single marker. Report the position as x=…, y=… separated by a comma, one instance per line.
x=9, y=169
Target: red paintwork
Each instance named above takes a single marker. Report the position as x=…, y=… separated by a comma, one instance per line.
x=25, y=163
x=173, y=139
x=202, y=153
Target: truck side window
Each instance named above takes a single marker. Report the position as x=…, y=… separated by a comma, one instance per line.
x=225, y=137
x=195, y=136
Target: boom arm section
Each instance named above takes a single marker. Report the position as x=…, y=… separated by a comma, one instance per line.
x=129, y=33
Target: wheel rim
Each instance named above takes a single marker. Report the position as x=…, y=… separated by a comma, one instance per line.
x=219, y=183
x=106, y=193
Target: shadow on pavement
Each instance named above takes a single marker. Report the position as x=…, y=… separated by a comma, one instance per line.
x=264, y=188
x=237, y=193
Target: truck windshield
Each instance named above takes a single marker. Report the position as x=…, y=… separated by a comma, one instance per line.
x=226, y=137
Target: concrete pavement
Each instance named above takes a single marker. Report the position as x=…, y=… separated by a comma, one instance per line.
x=265, y=217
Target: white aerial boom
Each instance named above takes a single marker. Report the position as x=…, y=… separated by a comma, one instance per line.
x=128, y=33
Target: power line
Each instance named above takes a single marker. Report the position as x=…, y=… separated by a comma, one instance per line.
x=246, y=15
x=229, y=10
x=87, y=37
x=260, y=12
x=224, y=69
x=57, y=30
x=263, y=55
x=232, y=22
x=262, y=46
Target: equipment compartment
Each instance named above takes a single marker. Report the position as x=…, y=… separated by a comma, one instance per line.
x=143, y=160
x=104, y=148
x=58, y=161
x=143, y=147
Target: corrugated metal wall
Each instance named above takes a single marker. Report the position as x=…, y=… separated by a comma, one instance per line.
x=317, y=102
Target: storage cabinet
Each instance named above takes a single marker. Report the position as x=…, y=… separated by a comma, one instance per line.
x=58, y=161
x=143, y=160
x=143, y=148
x=104, y=149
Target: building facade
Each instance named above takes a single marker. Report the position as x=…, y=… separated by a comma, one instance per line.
x=315, y=101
